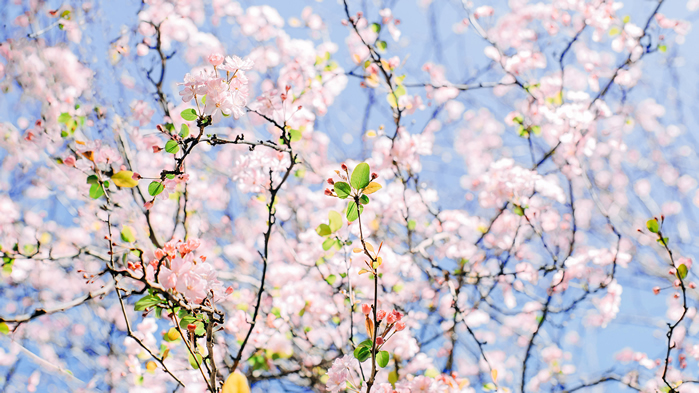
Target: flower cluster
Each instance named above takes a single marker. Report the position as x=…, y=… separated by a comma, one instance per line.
x=393, y=324
x=181, y=271
x=220, y=95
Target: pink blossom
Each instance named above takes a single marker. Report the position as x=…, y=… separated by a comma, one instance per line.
x=215, y=59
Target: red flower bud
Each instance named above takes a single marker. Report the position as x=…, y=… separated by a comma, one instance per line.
x=656, y=290
x=331, y=181
x=191, y=327
x=379, y=340
x=328, y=192
x=343, y=166
x=374, y=175
x=400, y=325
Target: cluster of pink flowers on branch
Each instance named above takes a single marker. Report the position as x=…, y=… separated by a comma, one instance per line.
x=217, y=94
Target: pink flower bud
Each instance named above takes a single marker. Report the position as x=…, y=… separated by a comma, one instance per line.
x=331, y=181
x=397, y=314
x=676, y=283
x=157, y=149
x=328, y=192
x=366, y=309
x=400, y=325
x=216, y=59
x=379, y=340
x=136, y=176
x=374, y=175
x=692, y=285
x=70, y=161
x=229, y=290
x=380, y=315
x=391, y=319
x=676, y=295
x=656, y=290
x=148, y=205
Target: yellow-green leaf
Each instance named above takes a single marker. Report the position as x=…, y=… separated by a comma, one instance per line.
x=372, y=188
x=653, y=225
x=124, y=179
x=127, y=234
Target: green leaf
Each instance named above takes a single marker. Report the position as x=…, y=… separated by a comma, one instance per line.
x=653, y=225
x=663, y=241
x=323, y=230
x=362, y=353
x=127, y=234
x=328, y=243
x=96, y=191
x=4, y=329
x=489, y=386
x=662, y=48
x=518, y=210
x=381, y=45
x=335, y=219
x=352, y=213
x=295, y=135
x=382, y=359
x=375, y=27
x=147, y=301
x=411, y=225
x=184, y=131
x=124, y=179
x=64, y=118
x=189, y=114
x=392, y=100
x=186, y=320
x=366, y=343
x=400, y=91
x=200, y=330
x=342, y=189
x=682, y=271
x=393, y=378
x=331, y=279
x=155, y=188
x=361, y=176
x=363, y=199
x=172, y=147
x=193, y=362
x=92, y=179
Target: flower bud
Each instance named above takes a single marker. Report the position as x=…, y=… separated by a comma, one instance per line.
x=380, y=315
x=379, y=340
x=400, y=325
x=191, y=327
x=343, y=166
x=215, y=59
x=331, y=181
x=374, y=175
x=391, y=319
x=328, y=192
x=656, y=290
x=366, y=308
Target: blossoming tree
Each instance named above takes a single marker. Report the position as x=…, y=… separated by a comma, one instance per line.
x=436, y=196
